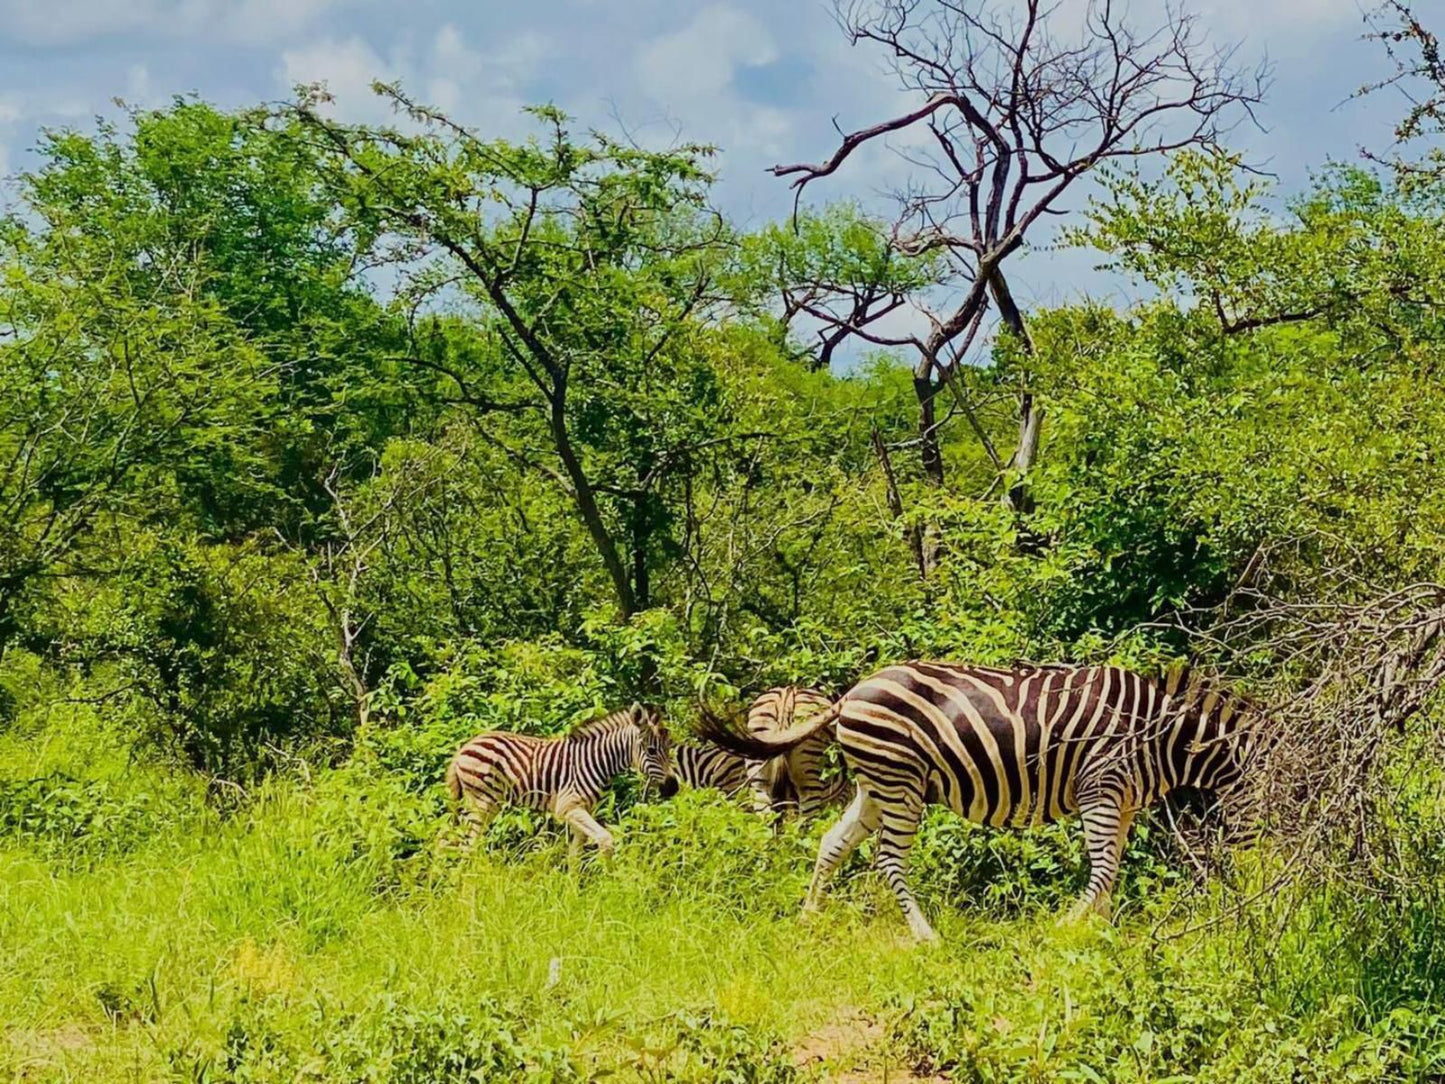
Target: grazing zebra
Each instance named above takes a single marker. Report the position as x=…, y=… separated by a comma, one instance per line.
x=702, y=766
x=1016, y=747
x=563, y=776
x=793, y=778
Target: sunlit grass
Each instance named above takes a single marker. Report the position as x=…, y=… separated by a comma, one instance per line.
x=243, y=947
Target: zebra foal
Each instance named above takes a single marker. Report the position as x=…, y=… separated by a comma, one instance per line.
x=563, y=776
x=1012, y=748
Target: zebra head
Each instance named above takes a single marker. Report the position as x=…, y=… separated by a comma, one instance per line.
x=652, y=750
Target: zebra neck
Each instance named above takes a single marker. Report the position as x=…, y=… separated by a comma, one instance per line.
x=601, y=756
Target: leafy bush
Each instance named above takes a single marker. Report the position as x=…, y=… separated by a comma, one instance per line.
x=79, y=818
x=226, y=648
x=710, y=851
x=385, y=1043
x=702, y=1049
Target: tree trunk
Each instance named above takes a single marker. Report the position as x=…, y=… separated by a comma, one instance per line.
x=895, y=505
x=930, y=451
x=1030, y=414
x=587, y=505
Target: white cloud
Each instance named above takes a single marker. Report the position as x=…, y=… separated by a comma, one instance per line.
x=690, y=74
x=348, y=69
x=53, y=22
x=488, y=89
x=701, y=59
x=9, y=109
x=484, y=89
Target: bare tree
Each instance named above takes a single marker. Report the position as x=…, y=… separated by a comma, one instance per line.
x=1019, y=99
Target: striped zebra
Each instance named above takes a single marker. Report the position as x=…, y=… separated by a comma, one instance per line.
x=1016, y=747
x=792, y=779
x=702, y=766
x=562, y=776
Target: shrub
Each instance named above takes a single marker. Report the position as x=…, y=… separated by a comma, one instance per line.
x=228, y=653
x=78, y=818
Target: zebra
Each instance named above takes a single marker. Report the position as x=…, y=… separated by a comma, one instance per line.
x=1013, y=747
x=701, y=766
x=793, y=778
x=563, y=776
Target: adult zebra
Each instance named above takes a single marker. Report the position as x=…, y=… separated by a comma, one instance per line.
x=1015, y=747
x=794, y=777
x=563, y=776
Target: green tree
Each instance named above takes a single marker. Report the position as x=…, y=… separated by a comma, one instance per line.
x=115, y=368
x=584, y=271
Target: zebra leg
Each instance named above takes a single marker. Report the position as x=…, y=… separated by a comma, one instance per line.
x=858, y=822
x=1106, y=829
x=762, y=778
x=574, y=844
x=584, y=826
x=900, y=825
x=475, y=815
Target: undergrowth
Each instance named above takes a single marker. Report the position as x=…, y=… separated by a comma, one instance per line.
x=324, y=927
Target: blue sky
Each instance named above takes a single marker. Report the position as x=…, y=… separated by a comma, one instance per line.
x=761, y=78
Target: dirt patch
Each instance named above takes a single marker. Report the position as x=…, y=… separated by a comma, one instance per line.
x=853, y=1049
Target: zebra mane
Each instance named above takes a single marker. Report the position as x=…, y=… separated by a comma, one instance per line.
x=608, y=724
x=1192, y=686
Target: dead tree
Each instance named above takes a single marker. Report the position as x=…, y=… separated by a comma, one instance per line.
x=1017, y=100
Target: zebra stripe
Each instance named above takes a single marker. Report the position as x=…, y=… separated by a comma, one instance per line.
x=704, y=766
x=562, y=776
x=794, y=779
x=1012, y=748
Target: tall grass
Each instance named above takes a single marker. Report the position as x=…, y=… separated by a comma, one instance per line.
x=323, y=929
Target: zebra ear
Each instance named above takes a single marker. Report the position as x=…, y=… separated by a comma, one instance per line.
x=637, y=713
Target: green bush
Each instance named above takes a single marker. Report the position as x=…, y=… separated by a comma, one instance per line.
x=226, y=649
x=385, y=1043
x=79, y=818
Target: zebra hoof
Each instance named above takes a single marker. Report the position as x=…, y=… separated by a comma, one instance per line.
x=924, y=936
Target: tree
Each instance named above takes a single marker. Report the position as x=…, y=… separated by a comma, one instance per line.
x=835, y=271
x=582, y=271
x=1015, y=114
x=191, y=190
x=115, y=367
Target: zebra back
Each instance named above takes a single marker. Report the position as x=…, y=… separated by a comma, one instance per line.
x=1024, y=744
x=797, y=774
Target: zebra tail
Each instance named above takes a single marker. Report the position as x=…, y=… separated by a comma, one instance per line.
x=728, y=733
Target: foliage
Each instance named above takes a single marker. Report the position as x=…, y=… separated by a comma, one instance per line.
x=324, y=447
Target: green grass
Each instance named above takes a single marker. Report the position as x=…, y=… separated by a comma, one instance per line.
x=322, y=930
